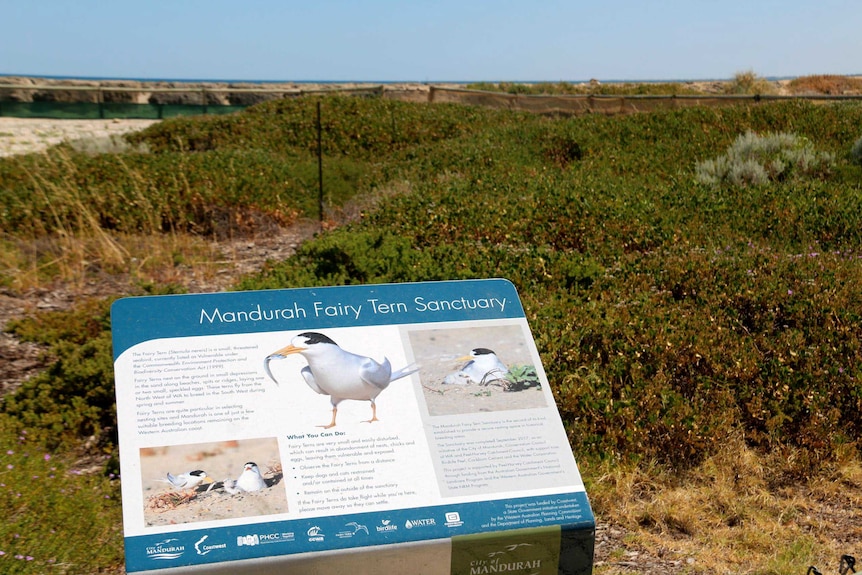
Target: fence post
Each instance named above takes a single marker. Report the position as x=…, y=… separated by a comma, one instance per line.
x=319, y=166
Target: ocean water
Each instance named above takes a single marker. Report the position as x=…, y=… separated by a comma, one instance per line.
x=343, y=81
x=219, y=80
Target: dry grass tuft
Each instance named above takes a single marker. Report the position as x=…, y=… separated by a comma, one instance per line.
x=731, y=514
x=80, y=248
x=77, y=258
x=828, y=84
x=749, y=83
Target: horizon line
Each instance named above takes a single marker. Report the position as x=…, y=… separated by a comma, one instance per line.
x=423, y=82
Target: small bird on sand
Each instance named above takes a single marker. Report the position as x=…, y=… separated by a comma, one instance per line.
x=188, y=480
x=483, y=366
x=249, y=480
x=338, y=373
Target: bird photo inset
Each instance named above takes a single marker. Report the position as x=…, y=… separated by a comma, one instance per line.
x=249, y=480
x=249, y=490
x=499, y=373
x=338, y=373
x=482, y=367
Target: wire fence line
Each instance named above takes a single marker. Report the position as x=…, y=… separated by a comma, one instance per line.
x=577, y=104
x=150, y=102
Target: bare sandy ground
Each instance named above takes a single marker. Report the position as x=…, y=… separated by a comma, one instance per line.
x=27, y=135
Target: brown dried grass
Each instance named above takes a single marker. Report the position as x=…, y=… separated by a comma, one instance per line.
x=735, y=513
x=827, y=84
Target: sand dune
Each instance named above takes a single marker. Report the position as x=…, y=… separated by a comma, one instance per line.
x=26, y=135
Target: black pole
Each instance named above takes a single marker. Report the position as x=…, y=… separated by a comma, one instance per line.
x=319, y=166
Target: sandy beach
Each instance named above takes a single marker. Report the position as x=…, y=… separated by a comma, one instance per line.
x=27, y=135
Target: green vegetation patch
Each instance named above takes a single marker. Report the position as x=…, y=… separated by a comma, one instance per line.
x=669, y=313
x=74, y=398
x=42, y=494
x=755, y=160
x=593, y=88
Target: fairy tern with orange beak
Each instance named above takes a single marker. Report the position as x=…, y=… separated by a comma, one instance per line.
x=483, y=366
x=338, y=373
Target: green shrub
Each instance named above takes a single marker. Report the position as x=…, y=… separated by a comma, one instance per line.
x=365, y=128
x=74, y=397
x=856, y=152
x=749, y=83
x=591, y=88
x=755, y=160
x=56, y=517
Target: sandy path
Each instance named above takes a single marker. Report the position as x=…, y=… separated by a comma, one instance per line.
x=26, y=135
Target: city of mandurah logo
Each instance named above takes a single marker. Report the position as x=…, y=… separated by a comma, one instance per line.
x=165, y=550
x=512, y=559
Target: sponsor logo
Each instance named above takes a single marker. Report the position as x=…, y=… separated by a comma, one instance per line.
x=264, y=538
x=247, y=540
x=386, y=526
x=351, y=529
x=453, y=519
x=203, y=548
x=275, y=537
x=314, y=533
x=165, y=550
x=424, y=522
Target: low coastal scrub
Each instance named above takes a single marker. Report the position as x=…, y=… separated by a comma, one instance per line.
x=674, y=317
x=56, y=517
x=856, y=152
x=826, y=84
x=206, y=175
x=749, y=83
x=756, y=160
x=708, y=311
x=593, y=88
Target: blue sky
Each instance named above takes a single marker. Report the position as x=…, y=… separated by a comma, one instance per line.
x=424, y=41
